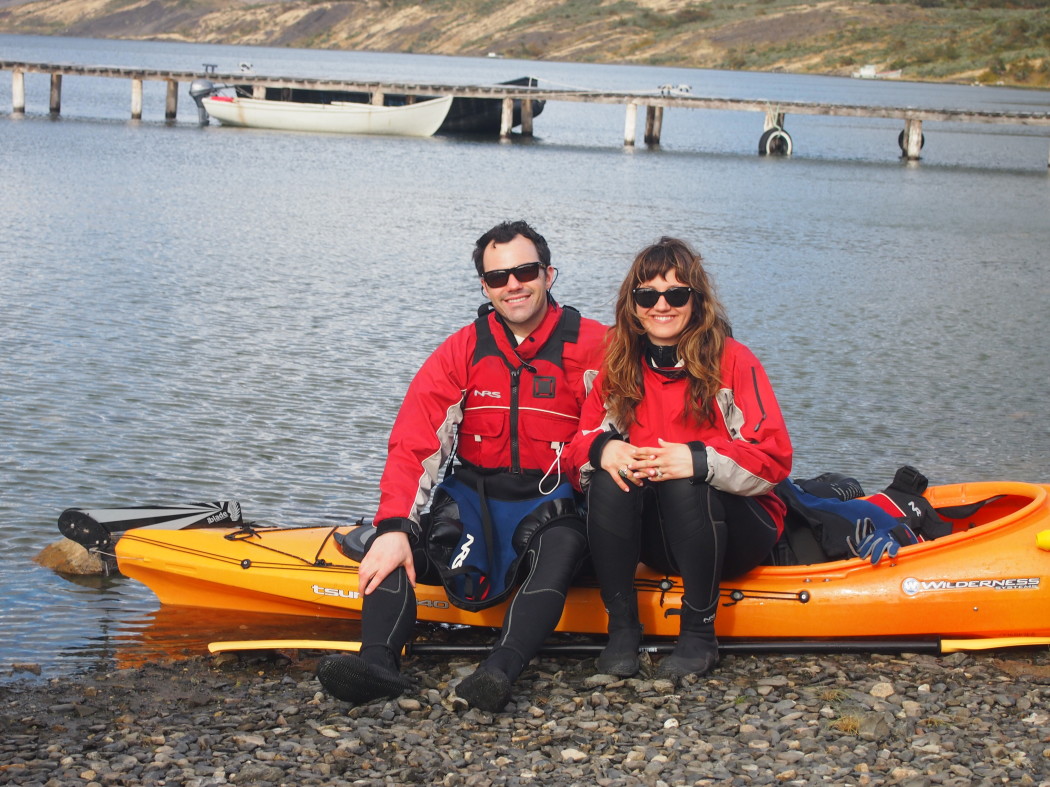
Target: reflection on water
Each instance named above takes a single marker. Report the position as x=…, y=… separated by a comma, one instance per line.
x=180, y=632
x=203, y=314
x=117, y=634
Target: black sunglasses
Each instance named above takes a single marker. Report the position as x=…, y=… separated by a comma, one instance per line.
x=676, y=297
x=523, y=273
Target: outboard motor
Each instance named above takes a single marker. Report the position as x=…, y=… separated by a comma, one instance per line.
x=199, y=88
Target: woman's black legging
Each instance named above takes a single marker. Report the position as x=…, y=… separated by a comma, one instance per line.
x=681, y=527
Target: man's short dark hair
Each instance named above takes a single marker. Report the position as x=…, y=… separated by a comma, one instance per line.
x=505, y=232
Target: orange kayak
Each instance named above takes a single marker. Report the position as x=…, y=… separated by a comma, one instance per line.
x=990, y=578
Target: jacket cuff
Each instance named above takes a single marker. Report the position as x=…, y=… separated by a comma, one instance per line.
x=594, y=456
x=397, y=524
x=699, y=451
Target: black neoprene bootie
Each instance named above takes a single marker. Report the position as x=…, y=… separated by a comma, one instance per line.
x=489, y=687
x=620, y=656
x=354, y=679
x=696, y=651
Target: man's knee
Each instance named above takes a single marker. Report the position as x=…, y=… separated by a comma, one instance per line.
x=568, y=538
x=558, y=551
x=395, y=583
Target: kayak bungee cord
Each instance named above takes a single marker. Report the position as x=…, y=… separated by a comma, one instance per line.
x=246, y=533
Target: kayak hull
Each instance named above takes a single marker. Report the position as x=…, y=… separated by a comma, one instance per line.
x=988, y=579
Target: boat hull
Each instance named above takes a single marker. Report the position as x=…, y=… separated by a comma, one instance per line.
x=484, y=116
x=421, y=119
x=472, y=116
x=988, y=580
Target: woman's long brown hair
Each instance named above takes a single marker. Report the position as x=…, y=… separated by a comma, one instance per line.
x=700, y=346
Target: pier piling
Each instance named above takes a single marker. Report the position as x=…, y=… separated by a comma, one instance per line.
x=506, y=118
x=136, y=99
x=773, y=119
x=56, y=94
x=18, y=92
x=629, y=124
x=526, y=117
x=913, y=139
x=171, y=100
x=654, y=121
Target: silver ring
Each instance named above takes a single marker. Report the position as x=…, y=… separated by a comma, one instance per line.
x=659, y=473
x=623, y=473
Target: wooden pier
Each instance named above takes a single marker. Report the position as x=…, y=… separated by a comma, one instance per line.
x=774, y=138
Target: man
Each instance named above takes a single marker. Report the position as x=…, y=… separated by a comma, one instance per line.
x=503, y=396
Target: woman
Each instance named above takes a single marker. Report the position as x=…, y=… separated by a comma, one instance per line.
x=680, y=445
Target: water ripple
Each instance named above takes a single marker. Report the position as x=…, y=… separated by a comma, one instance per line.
x=192, y=314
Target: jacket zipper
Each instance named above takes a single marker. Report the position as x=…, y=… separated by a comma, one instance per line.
x=515, y=459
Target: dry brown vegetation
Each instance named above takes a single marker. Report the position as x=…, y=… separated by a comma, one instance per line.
x=962, y=40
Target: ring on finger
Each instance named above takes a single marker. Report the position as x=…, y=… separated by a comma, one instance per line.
x=659, y=473
x=623, y=473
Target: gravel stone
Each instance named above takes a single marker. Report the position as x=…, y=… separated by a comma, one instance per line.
x=820, y=719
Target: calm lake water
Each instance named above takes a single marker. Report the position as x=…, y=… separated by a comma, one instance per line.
x=213, y=313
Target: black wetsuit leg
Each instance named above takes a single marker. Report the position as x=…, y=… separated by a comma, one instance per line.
x=614, y=526
x=690, y=539
x=696, y=532
x=388, y=615
x=705, y=535
x=751, y=534
x=553, y=556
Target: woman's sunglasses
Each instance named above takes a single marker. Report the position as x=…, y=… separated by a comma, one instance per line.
x=523, y=273
x=676, y=297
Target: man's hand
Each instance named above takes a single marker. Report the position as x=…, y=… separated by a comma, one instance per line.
x=386, y=553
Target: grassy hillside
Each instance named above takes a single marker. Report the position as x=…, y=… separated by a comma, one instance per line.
x=991, y=41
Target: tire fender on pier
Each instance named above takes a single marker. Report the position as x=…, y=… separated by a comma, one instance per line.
x=775, y=142
x=902, y=145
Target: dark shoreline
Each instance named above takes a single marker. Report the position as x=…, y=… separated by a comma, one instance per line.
x=959, y=719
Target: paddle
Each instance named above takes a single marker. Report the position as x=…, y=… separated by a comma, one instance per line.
x=92, y=528
x=752, y=646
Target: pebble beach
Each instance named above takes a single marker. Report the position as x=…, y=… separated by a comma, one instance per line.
x=256, y=718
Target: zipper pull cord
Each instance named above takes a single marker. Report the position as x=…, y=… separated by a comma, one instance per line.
x=555, y=464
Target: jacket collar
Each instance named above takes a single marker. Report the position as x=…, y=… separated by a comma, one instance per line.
x=532, y=343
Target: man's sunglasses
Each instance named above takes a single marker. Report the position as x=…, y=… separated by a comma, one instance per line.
x=523, y=273
x=676, y=297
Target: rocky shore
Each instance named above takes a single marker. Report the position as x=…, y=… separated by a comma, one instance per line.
x=262, y=719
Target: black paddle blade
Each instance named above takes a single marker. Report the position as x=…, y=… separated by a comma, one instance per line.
x=94, y=528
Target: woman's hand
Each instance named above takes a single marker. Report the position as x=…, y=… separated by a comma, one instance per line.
x=617, y=456
x=666, y=462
